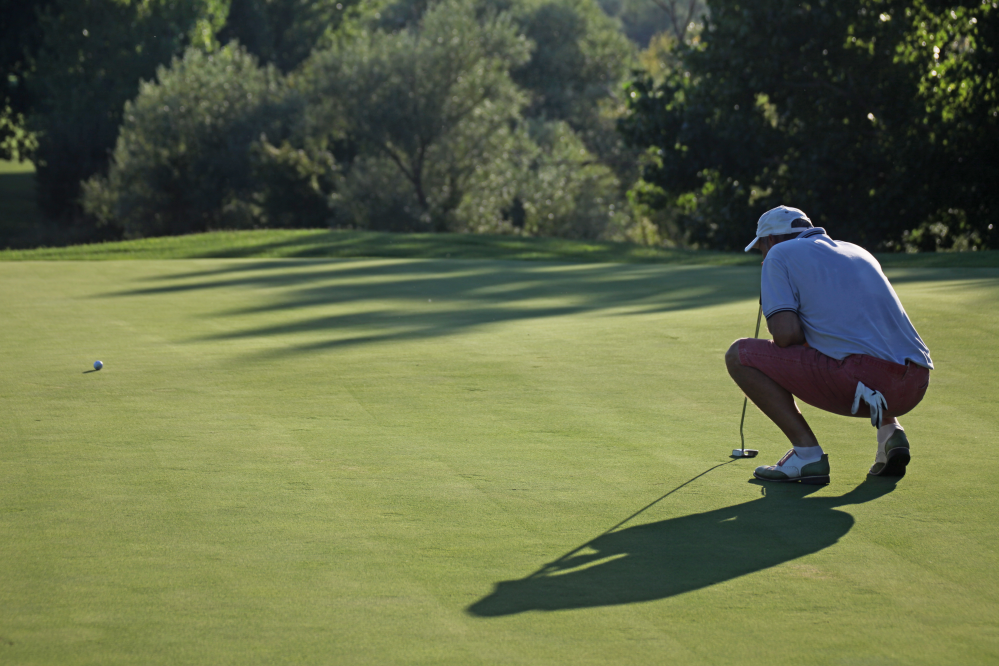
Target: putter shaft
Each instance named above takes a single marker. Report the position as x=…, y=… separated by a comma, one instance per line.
x=745, y=399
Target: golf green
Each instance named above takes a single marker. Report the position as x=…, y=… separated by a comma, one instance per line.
x=393, y=461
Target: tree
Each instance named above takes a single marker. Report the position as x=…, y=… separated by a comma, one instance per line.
x=193, y=145
x=566, y=192
x=430, y=108
x=955, y=47
x=284, y=32
x=20, y=37
x=580, y=58
x=577, y=64
x=642, y=20
x=828, y=106
x=90, y=60
x=575, y=76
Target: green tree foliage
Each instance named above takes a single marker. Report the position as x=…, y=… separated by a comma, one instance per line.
x=575, y=73
x=428, y=123
x=565, y=191
x=194, y=151
x=429, y=107
x=642, y=20
x=577, y=65
x=474, y=115
x=20, y=37
x=90, y=60
x=284, y=32
x=425, y=122
x=956, y=49
x=580, y=58
x=841, y=108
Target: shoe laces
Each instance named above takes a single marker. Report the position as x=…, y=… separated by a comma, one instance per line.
x=787, y=456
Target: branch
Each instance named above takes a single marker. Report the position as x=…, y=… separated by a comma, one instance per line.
x=690, y=15
x=670, y=9
x=385, y=148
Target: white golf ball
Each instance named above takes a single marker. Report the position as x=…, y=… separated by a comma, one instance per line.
x=98, y=365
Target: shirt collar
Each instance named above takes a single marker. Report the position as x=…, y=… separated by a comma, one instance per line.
x=815, y=231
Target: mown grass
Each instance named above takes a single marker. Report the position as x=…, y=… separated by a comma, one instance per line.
x=445, y=454
x=322, y=244
x=430, y=461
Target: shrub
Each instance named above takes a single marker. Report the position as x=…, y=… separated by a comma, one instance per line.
x=429, y=108
x=567, y=192
x=89, y=60
x=192, y=147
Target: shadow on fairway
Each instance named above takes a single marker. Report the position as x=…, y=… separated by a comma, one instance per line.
x=404, y=300
x=670, y=557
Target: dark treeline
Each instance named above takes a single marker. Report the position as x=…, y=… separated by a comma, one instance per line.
x=877, y=117
x=659, y=121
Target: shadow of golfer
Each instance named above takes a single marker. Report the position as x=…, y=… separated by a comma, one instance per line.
x=670, y=557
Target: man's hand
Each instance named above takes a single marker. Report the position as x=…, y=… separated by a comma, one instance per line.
x=786, y=329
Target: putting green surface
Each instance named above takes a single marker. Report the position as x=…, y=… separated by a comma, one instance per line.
x=467, y=462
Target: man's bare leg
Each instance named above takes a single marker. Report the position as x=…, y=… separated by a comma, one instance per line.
x=774, y=400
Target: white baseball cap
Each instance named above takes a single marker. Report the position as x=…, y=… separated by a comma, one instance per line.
x=777, y=221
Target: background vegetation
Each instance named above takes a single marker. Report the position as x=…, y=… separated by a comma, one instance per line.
x=877, y=117
x=657, y=121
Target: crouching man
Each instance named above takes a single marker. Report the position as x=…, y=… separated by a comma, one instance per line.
x=841, y=342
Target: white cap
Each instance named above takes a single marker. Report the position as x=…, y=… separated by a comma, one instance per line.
x=777, y=221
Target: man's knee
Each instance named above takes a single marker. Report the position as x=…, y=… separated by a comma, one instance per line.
x=732, y=358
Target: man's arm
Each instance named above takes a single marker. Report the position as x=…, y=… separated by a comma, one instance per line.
x=785, y=327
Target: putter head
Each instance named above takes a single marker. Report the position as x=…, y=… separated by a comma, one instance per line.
x=744, y=453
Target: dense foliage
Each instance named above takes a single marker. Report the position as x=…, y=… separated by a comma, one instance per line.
x=85, y=69
x=644, y=20
x=432, y=111
x=20, y=36
x=284, y=32
x=877, y=117
x=470, y=115
x=409, y=125
x=184, y=159
x=72, y=65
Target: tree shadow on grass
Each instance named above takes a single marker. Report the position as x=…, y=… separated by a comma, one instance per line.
x=399, y=300
x=368, y=244
x=670, y=557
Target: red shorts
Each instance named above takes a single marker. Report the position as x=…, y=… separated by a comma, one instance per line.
x=824, y=382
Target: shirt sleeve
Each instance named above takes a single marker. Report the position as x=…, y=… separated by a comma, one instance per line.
x=777, y=291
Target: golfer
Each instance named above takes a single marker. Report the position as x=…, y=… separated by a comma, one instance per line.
x=841, y=342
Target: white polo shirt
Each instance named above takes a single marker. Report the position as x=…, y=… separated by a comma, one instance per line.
x=845, y=303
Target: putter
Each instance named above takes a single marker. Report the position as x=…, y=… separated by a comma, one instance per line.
x=744, y=452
